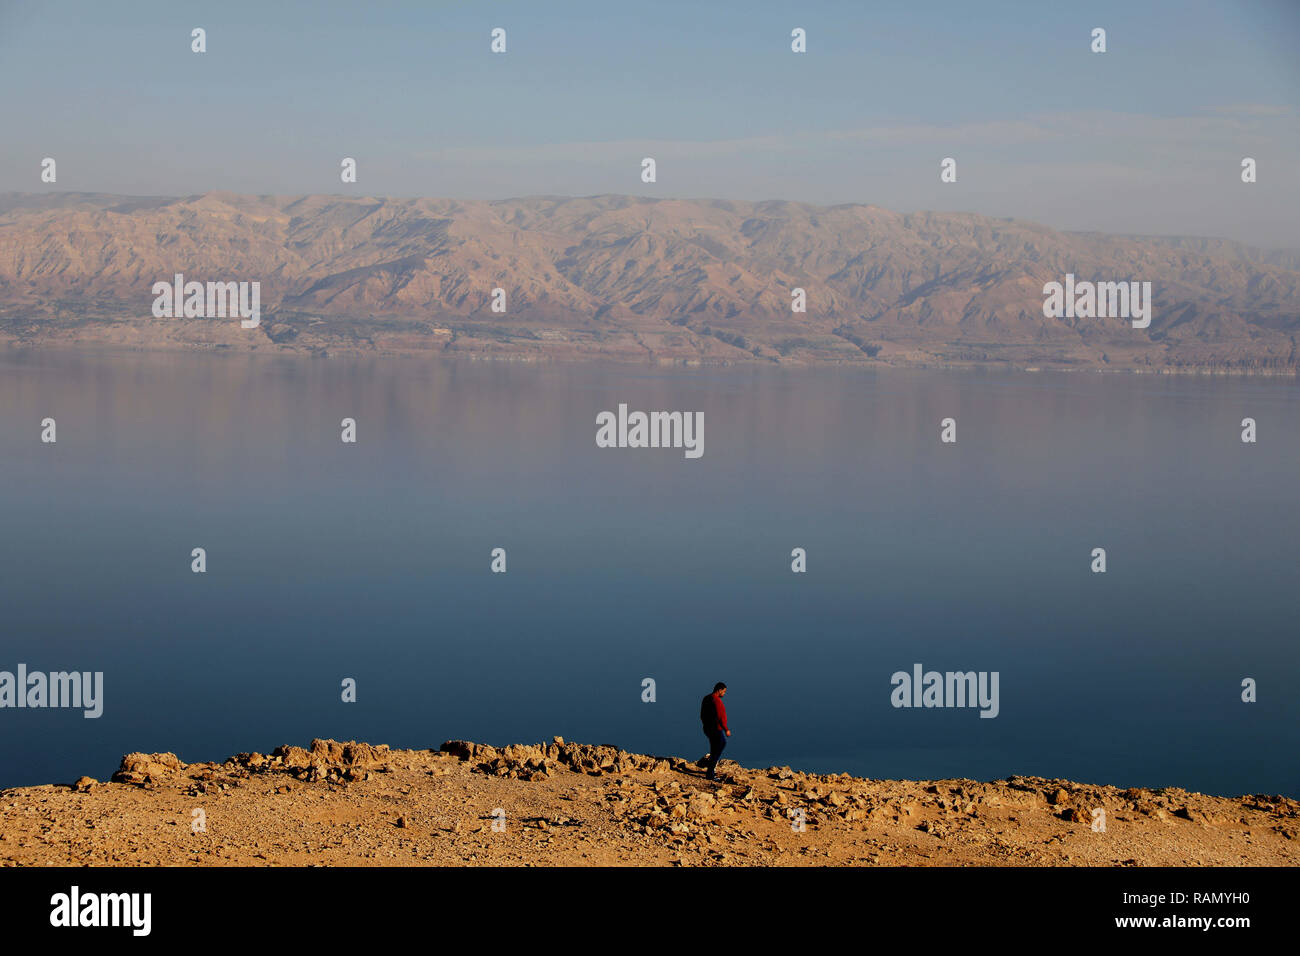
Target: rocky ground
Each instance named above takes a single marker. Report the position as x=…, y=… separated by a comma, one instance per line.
x=575, y=804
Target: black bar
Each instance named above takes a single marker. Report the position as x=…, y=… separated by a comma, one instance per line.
x=936, y=903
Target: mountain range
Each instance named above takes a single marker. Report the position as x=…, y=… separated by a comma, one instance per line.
x=634, y=279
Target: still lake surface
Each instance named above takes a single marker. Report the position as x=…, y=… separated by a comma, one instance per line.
x=327, y=560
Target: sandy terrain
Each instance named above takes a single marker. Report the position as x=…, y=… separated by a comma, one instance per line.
x=564, y=804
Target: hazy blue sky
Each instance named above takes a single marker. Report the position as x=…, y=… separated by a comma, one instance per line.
x=1147, y=137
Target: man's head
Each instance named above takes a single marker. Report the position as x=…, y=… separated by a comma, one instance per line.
x=720, y=689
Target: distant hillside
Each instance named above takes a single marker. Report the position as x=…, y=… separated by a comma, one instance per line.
x=633, y=279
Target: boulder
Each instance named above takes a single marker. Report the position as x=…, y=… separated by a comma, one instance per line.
x=349, y=753
x=141, y=768
x=463, y=749
x=293, y=758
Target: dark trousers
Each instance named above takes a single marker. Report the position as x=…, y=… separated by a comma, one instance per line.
x=716, y=743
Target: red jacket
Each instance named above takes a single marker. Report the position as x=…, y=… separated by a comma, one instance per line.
x=713, y=714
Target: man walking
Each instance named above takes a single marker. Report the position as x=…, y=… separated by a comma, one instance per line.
x=713, y=715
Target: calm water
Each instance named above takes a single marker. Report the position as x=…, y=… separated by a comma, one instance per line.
x=371, y=561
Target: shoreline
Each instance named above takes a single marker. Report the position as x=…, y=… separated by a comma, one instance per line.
x=542, y=358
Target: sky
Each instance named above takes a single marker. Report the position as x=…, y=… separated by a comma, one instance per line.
x=1145, y=138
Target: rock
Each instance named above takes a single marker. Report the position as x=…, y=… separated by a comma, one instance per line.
x=349, y=753
x=702, y=807
x=141, y=769
x=293, y=758
x=84, y=784
x=1196, y=816
x=1057, y=797
x=463, y=749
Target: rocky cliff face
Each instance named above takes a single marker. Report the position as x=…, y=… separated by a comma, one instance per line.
x=563, y=803
x=631, y=278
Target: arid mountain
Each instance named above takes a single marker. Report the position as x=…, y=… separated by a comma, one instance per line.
x=630, y=278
